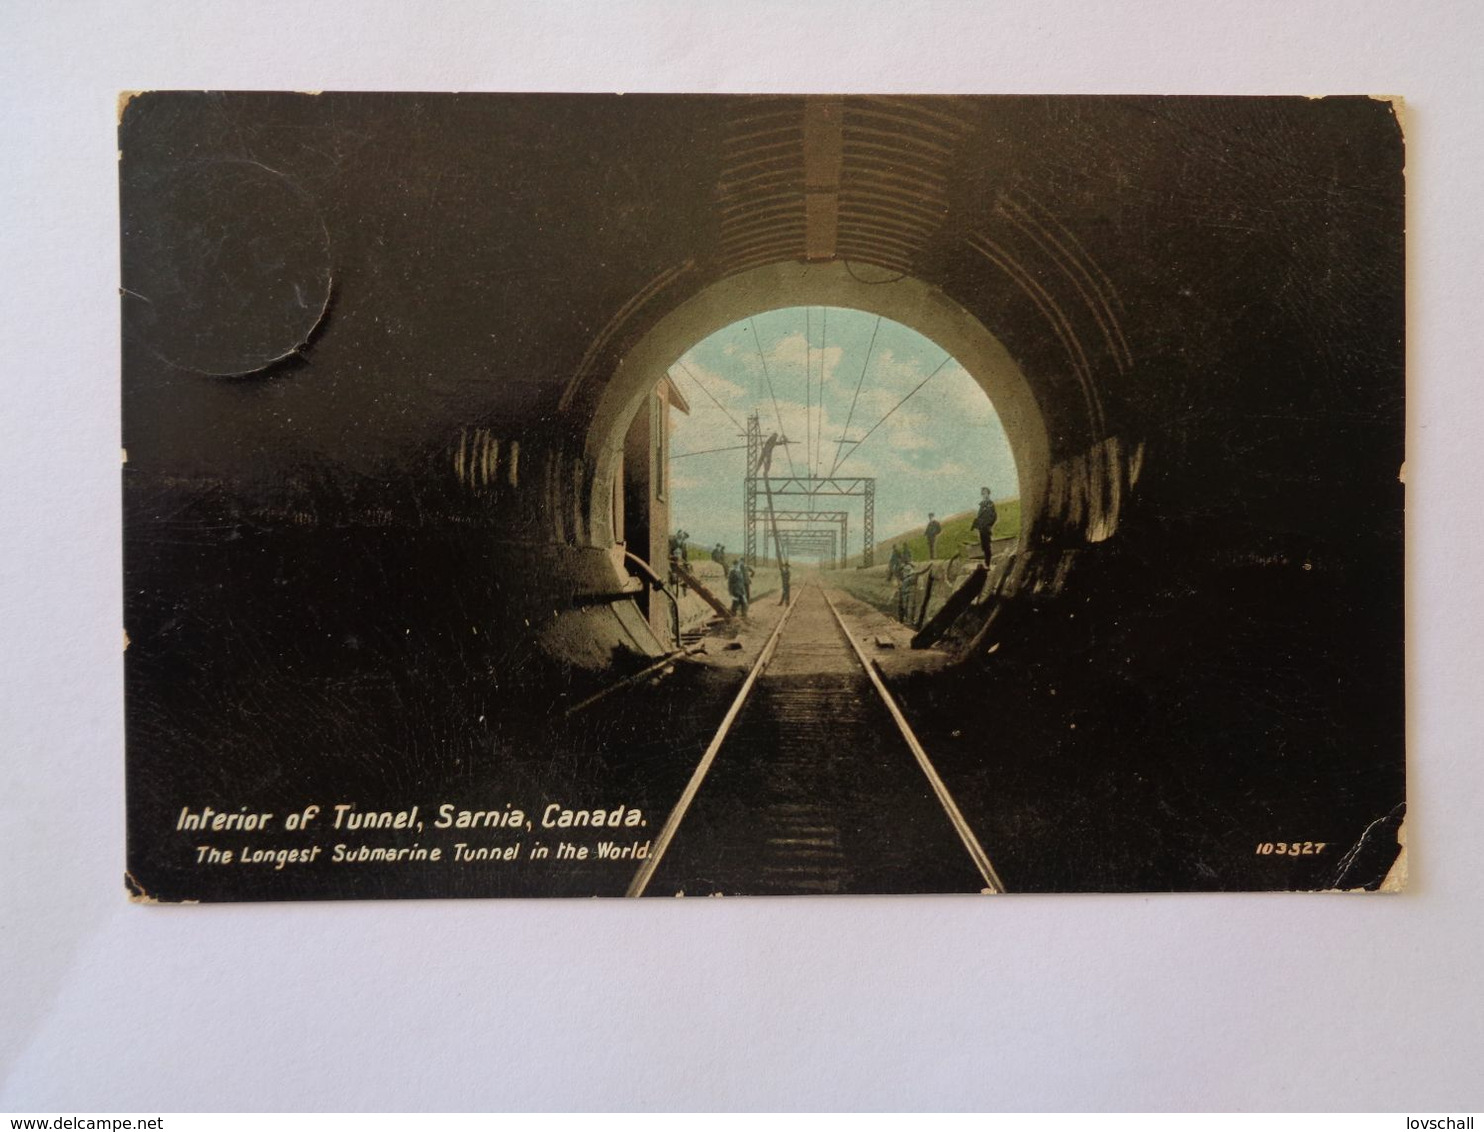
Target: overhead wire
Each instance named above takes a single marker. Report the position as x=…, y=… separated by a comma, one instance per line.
x=681, y=363
x=809, y=376
x=871, y=282
x=707, y=451
x=859, y=382
x=946, y=359
x=824, y=342
x=781, y=432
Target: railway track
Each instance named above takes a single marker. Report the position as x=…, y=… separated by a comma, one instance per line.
x=814, y=782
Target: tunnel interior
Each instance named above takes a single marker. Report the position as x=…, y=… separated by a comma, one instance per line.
x=369, y=489
x=873, y=425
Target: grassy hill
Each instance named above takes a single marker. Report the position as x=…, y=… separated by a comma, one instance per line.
x=955, y=533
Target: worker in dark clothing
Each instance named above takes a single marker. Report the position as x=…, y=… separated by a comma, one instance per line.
x=932, y=531
x=906, y=580
x=677, y=559
x=894, y=564
x=719, y=556
x=907, y=593
x=984, y=522
x=783, y=578
x=738, y=587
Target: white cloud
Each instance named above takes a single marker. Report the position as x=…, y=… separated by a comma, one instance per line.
x=688, y=374
x=899, y=522
x=793, y=355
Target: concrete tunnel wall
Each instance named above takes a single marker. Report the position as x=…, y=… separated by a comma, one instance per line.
x=1192, y=329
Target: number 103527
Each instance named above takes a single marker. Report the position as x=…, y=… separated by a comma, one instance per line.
x=1289, y=848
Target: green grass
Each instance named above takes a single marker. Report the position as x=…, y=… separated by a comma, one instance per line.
x=956, y=532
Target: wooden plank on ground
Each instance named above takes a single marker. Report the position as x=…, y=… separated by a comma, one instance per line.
x=706, y=595
x=958, y=601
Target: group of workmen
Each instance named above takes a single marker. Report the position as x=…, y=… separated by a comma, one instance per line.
x=739, y=577
x=899, y=567
x=984, y=521
x=739, y=585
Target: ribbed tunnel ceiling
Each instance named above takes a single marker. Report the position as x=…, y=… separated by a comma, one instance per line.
x=941, y=190
x=862, y=179
x=496, y=258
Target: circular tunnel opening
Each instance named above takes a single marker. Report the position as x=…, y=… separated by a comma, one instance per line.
x=860, y=406
x=839, y=443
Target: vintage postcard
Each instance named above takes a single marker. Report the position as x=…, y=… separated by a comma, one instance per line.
x=656, y=495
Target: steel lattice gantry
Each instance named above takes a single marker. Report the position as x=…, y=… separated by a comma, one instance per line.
x=794, y=487
x=812, y=488
x=823, y=544
x=750, y=517
x=834, y=524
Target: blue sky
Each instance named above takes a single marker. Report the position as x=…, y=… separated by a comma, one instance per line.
x=932, y=454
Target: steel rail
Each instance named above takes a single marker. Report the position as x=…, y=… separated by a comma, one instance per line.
x=992, y=880
x=677, y=814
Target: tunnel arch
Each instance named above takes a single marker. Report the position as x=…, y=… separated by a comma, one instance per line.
x=901, y=298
